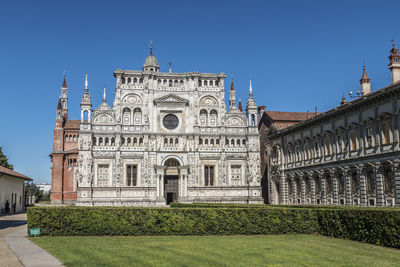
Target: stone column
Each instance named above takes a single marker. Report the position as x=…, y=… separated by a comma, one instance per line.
x=335, y=193
x=183, y=178
x=312, y=193
x=294, y=189
x=160, y=182
x=396, y=170
x=379, y=185
x=284, y=191
x=347, y=184
x=323, y=188
x=363, y=188
x=272, y=191
x=303, y=189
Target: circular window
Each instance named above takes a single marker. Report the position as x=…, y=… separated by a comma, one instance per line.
x=170, y=121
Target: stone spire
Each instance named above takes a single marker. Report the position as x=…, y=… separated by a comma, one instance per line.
x=251, y=90
x=86, y=103
x=240, y=105
x=63, y=99
x=365, y=83
x=104, y=96
x=344, y=101
x=251, y=108
x=86, y=84
x=394, y=64
x=251, y=102
x=232, y=97
x=64, y=85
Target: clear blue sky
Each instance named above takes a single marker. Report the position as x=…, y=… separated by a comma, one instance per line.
x=299, y=54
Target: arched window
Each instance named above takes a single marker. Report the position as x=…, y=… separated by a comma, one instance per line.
x=123, y=141
x=200, y=141
x=159, y=82
x=238, y=142
x=232, y=142
x=135, y=80
x=211, y=83
x=126, y=116
x=217, y=142
x=244, y=142
x=203, y=117
x=206, y=142
x=213, y=117
x=212, y=142
x=171, y=141
x=100, y=141
x=253, y=120
x=106, y=141
x=137, y=116
x=86, y=116
x=176, y=83
x=112, y=141
x=176, y=141
x=140, y=80
x=181, y=83
x=123, y=80
x=129, y=141
x=129, y=80
x=170, y=83
x=165, y=141
x=94, y=140
x=140, y=141
x=205, y=83
x=134, y=141
x=165, y=82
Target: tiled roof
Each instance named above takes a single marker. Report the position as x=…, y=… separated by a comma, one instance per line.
x=290, y=116
x=73, y=124
x=4, y=170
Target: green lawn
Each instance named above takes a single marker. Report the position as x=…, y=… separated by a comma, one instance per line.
x=272, y=250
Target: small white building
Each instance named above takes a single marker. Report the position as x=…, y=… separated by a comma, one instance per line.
x=44, y=187
x=12, y=189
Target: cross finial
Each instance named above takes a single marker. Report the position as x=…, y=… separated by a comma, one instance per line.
x=151, y=47
x=64, y=73
x=393, y=43
x=170, y=64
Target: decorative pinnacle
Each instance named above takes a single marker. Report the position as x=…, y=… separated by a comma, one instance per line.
x=86, y=84
x=232, y=87
x=251, y=90
x=151, y=47
x=104, y=95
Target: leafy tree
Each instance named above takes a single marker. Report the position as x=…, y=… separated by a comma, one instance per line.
x=4, y=160
x=32, y=190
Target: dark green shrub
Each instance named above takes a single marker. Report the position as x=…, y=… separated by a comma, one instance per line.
x=372, y=225
x=163, y=221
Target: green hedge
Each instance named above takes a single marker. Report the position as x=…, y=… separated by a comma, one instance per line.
x=372, y=225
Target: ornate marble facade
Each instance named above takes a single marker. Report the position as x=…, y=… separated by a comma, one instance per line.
x=167, y=137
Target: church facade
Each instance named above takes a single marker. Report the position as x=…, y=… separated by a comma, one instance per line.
x=167, y=137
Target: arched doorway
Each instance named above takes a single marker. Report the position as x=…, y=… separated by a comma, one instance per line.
x=171, y=180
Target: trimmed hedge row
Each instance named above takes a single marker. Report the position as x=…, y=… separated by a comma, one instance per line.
x=371, y=225
x=169, y=221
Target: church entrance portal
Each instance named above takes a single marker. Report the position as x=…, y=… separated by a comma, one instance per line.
x=171, y=181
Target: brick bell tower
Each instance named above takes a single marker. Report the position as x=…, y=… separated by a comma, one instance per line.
x=65, y=152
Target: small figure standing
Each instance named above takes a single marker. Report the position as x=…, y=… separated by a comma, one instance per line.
x=7, y=207
x=15, y=207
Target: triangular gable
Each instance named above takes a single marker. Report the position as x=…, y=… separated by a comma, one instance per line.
x=171, y=99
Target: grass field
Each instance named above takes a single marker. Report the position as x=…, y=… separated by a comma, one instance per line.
x=274, y=250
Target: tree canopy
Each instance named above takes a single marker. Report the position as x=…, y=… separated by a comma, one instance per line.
x=4, y=160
